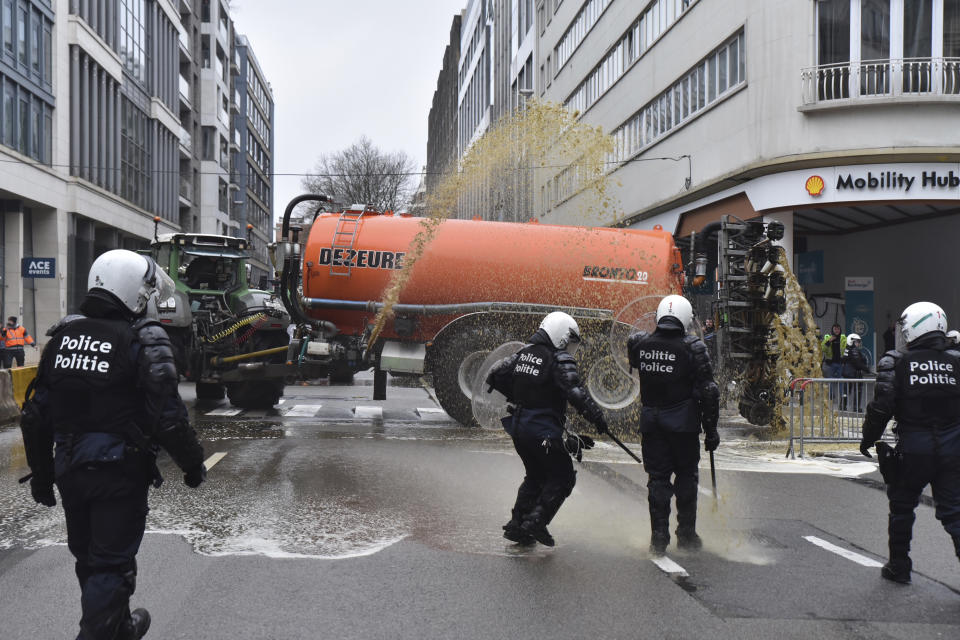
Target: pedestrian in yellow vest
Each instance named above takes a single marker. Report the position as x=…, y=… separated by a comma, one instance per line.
x=14, y=338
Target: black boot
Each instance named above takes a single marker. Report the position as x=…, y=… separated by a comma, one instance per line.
x=513, y=533
x=688, y=539
x=659, y=539
x=137, y=626
x=534, y=525
x=897, y=569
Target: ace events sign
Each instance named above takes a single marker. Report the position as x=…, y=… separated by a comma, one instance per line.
x=38, y=267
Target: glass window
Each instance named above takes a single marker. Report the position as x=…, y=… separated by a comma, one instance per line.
x=917, y=45
x=833, y=31
x=951, y=28
x=22, y=34
x=36, y=36
x=47, y=135
x=133, y=38
x=35, y=130
x=712, y=79
x=47, y=57
x=8, y=26
x=917, y=28
x=874, y=29
x=734, y=53
x=24, y=126
x=722, y=68
x=9, y=115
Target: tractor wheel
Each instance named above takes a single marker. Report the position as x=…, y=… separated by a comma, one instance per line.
x=255, y=394
x=209, y=391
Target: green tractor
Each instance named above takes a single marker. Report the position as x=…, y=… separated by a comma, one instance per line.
x=227, y=337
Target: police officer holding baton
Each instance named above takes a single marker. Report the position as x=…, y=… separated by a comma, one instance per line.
x=920, y=387
x=679, y=397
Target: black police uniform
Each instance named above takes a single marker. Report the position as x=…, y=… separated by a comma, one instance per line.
x=104, y=398
x=539, y=380
x=854, y=366
x=920, y=389
x=678, y=395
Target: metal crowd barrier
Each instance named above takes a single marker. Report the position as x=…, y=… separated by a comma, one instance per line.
x=828, y=410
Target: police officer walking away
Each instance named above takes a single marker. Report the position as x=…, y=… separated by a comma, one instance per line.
x=105, y=398
x=14, y=337
x=679, y=397
x=919, y=387
x=539, y=380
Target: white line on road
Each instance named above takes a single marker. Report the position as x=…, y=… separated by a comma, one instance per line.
x=669, y=567
x=840, y=551
x=368, y=412
x=302, y=410
x=214, y=459
x=226, y=411
x=425, y=412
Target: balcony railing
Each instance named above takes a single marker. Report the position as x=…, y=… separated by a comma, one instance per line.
x=870, y=79
x=186, y=188
x=185, y=138
x=185, y=88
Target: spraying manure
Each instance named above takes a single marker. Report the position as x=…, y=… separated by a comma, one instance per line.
x=435, y=295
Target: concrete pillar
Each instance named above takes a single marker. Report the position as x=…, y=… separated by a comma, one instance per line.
x=12, y=255
x=49, y=241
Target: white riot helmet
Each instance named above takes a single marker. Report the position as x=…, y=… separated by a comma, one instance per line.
x=921, y=318
x=562, y=330
x=676, y=307
x=953, y=336
x=854, y=336
x=132, y=279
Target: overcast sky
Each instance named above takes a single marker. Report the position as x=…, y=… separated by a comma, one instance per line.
x=343, y=69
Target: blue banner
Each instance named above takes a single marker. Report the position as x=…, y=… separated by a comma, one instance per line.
x=860, y=314
x=810, y=267
x=38, y=267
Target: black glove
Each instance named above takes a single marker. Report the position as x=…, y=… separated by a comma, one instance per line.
x=195, y=477
x=601, y=426
x=575, y=444
x=865, y=445
x=42, y=492
x=711, y=441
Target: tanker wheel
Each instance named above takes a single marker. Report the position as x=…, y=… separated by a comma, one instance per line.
x=459, y=359
x=617, y=393
x=209, y=391
x=255, y=394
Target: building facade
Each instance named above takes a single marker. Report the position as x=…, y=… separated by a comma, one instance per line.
x=442, y=141
x=836, y=117
x=105, y=106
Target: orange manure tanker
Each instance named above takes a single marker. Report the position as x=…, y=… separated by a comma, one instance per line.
x=476, y=285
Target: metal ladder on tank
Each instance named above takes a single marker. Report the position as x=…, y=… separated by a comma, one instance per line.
x=345, y=238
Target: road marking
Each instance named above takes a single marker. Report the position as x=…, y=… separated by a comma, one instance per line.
x=840, y=551
x=429, y=412
x=226, y=411
x=669, y=567
x=302, y=410
x=214, y=459
x=368, y=412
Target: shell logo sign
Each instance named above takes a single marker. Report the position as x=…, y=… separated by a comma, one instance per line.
x=814, y=185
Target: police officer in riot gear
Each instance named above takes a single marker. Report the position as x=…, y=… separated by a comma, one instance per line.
x=919, y=387
x=539, y=380
x=104, y=399
x=679, y=397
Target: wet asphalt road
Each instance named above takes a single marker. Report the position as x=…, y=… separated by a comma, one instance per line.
x=324, y=522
